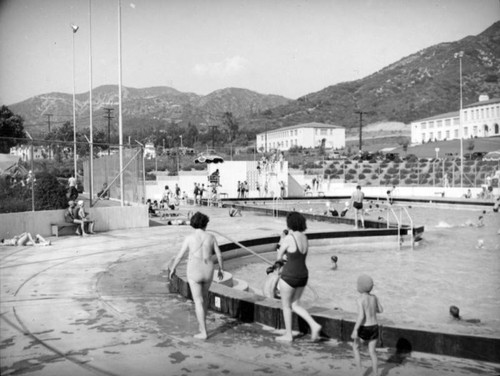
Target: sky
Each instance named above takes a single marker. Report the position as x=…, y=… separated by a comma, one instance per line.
x=284, y=47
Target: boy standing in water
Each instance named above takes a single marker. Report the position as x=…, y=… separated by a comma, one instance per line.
x=366, y=327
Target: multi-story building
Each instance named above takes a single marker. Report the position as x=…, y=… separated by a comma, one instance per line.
x=480, y=119
x=307, y=135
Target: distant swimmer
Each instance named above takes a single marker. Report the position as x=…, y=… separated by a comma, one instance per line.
x=455, y=314
x=233, y=211
x=334, y=260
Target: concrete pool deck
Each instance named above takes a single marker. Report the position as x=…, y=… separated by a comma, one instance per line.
x=100, y=306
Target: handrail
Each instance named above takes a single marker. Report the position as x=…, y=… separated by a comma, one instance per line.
x=399, y=222
x=275, y=204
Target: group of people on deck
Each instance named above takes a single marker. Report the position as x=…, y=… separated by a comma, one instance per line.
x=293, y=276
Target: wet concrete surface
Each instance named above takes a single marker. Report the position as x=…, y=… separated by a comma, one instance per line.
x=100, y=306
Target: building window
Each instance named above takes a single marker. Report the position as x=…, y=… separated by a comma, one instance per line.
x=431, y=124
x=323, y=132
x=447, y=135
x=456, y=121
x=424, y=125
x=465, y=115
x=465, y=131
x=447, y=122
x=439, y=135
x=455, y=133
x=431, y=136
x=439, y=124
x=474, y=130
x=423, y=137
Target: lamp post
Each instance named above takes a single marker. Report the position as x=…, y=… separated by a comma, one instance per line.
x=74, y=28
x=181, y=140
x=460, y=55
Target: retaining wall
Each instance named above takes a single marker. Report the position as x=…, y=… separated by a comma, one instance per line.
x=337, y=324
x=107, y=218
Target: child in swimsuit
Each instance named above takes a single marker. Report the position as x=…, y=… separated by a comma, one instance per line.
x=366, y=327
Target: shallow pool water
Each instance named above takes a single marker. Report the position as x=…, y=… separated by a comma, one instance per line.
x=453, y=265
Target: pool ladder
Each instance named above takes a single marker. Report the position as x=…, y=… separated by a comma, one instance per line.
x=276, y=201
x=399, y=220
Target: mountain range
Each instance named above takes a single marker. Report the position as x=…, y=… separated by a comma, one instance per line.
x=420, y=85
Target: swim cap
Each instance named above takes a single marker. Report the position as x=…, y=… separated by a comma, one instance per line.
x=71, y=203
x=80, y=203
x=334, y=258
x=365, y=283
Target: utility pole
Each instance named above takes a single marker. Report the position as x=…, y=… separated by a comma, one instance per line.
x=109, y=117
x=360, y=128
x=48, y=120
x=214, y=127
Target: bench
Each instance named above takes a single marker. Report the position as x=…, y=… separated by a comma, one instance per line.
x=56, y=227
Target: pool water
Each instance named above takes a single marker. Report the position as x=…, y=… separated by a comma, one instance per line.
x=453, y=265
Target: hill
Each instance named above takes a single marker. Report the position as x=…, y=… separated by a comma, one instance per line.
x=147, y=107
x=420, y=85
x=423, y=84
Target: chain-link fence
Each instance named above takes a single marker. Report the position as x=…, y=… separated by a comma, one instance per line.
x=36, y=174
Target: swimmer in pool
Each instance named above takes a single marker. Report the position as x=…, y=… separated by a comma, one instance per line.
x=200, y=267
x=455, y=314
x=357, y=203
x=366, y=327
x=294, y=276
x=334, y=260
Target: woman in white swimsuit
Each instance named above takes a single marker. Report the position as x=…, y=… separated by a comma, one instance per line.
x=200, y=267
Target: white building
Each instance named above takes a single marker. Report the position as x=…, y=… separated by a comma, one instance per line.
x=480, y=119
x=307, y=135
x=149, y=151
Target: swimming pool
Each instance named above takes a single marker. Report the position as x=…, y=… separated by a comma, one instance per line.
x=453, y=265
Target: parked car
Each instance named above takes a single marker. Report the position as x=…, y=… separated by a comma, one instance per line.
x=209, y=157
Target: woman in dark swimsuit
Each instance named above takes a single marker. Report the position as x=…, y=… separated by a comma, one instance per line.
x=294, y=275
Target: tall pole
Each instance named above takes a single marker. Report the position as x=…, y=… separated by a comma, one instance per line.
x=120, y=119
x=74, y=28
x=91, y=157
x=109, y=117
x=48, y=120
x=360, y=129
x=459, y=55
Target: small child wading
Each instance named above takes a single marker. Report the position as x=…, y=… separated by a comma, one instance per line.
x=366, y=327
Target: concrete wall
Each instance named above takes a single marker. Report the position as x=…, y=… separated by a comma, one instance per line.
x=107, y=218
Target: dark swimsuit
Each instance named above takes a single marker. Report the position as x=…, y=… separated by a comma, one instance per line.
x=295, y=271
x=358, y=205
x=368, y=333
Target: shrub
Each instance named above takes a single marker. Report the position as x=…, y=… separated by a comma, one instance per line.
x=374, y=176
x=367, y=170
x=408, y=181
x=352, y=171
x=393, y=171
x=49, y=193
x=395, y=181
x=361, y=176
x=348, y=177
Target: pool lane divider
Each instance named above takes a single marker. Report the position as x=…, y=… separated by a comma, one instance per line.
x=337, y=324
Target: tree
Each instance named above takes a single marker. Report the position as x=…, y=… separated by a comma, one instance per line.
x=470, y=145
x=191, y=135
x=232, y=125
x=11, y=129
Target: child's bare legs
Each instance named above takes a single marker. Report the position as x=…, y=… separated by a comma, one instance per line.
x=357, y=357
x=373, y=355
